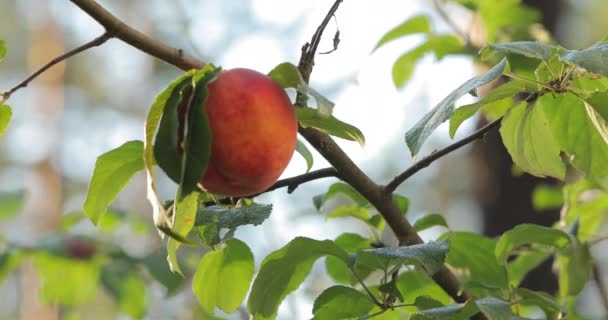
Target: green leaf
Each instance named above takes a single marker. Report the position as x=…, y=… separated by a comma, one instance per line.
x=546, y=197
x=284, y=270
x=113, y=170
x=523, y=264
x=587, y=205
x=161, y=218
x=211, y=220
x=532, y=234
x=594, y=58
x=427, y=302
x=167, y=144
x=526, y=134
x=403, y=68
x=402, y=202
x=445, y=44
x=2, y=49
x=183, y=221
x=128, y=288
x=575, y=133
x=503, y=18
x=459, y=311
x=504, y=91
x=5, y=117
x=340, y=302
x=10, y=204
x=9, y=261
x=349, y=211
x=474, y=254
x=416, y=24
x=413, y=284
x=286, y=75
x=341, y=188
x=223, y=277
x=77, y=284
x=156, y=265
x=309, y=117
x=340, y=272
x=429, y=256
x=540, y=299
x=575, y=268
x=597, y=110
x=197, y=140
x=530, y=49
x=495, y=309
x=430, y=221
x=305, y=153
x=416, y=136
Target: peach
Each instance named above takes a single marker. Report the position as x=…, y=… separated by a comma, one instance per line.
x=254, y=133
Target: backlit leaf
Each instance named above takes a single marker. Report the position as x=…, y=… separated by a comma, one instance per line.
x=526, y=134
x=284, y=270
x=113, y=170
x=5, y=117
x=223, y=277
x=416, y=24
x=529, y=234
x=309, y=117
x=429, y=221
x=183, y=221
x=305, y=153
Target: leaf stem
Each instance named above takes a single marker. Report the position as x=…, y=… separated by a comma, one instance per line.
x=369, y=293
x=518, y=77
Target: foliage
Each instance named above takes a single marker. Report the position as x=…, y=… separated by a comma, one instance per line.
x=552, y=105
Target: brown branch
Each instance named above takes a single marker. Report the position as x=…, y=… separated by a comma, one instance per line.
x=117, y=28
x=353, y=175
x=93, y=43
x=291, y=183
x=398, y=180
x=346, y=168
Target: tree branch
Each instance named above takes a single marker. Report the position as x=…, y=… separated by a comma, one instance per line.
x=353, y=175
x=398, y=180
x=346, y=168
x=93, y=43
x=117, y=28
x=291, y=183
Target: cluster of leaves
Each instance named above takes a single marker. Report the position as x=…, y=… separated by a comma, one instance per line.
x=88, y=264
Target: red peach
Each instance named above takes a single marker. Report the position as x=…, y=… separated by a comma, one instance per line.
x=254, y=133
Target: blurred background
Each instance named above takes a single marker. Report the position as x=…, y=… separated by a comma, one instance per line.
x=98, y=100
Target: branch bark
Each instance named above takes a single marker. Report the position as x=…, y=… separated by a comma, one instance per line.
x=345, y=167
x=118, y=29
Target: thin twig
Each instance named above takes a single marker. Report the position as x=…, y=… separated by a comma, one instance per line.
x=369, y=293
x=93, y=43
x=398, y=180
x=444, y=15
x=291, y=184
x=601, y=285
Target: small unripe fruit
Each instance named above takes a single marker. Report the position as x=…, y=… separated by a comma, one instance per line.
x=254, y=133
